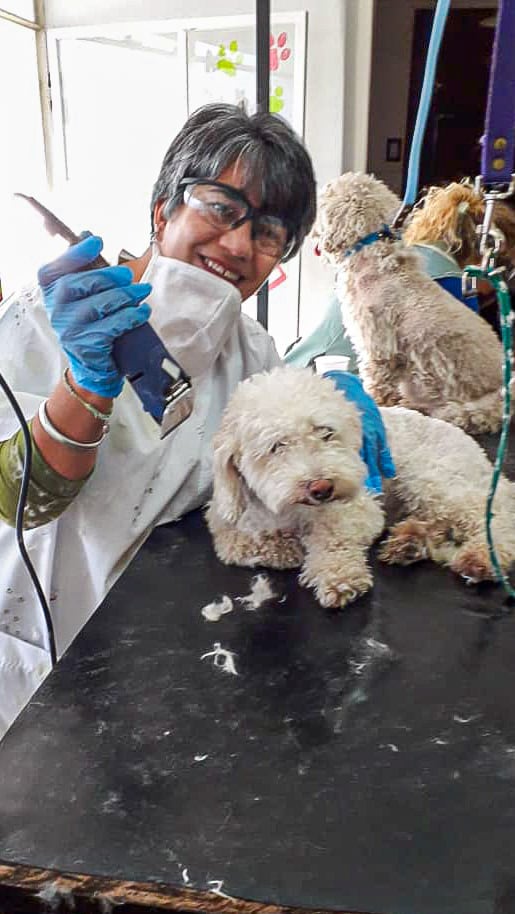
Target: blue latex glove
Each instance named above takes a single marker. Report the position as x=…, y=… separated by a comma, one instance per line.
x=90, y=310
x=374, y=450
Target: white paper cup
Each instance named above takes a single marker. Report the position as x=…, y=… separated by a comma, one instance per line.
x=325, y=363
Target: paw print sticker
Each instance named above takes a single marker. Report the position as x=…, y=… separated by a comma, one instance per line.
x=276, y=100
x=278, y=51
x=229, y=59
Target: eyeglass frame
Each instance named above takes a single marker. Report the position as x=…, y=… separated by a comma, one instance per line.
x=252, y=211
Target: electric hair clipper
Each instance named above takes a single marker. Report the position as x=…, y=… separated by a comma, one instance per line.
x=161, y=384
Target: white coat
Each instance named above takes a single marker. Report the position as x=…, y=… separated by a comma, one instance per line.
x=139, y=482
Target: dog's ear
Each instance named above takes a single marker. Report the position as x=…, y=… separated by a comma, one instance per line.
x=331, y=227
x=228, y=484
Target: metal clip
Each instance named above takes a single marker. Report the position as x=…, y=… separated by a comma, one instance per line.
x=486, y=244
x=490, y=246
x=468, y=285
x=490, y=239
x=401, y=216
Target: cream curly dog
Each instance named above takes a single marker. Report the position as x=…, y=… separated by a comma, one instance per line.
x=417, y=345
x=288, y=489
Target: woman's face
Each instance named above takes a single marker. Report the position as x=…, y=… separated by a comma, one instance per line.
x=231, y=254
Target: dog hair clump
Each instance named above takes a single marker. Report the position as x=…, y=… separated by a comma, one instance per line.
x=213, y=612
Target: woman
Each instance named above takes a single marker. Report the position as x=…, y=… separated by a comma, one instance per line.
x=235, y=195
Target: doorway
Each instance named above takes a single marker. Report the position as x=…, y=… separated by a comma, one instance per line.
x=452, y=149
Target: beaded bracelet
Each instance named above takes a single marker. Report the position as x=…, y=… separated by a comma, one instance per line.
x=103, y=417
x=56, y=435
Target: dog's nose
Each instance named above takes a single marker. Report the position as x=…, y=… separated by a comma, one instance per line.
x=321, y=489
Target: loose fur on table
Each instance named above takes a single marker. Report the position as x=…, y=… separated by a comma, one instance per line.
x=417, y=345
x=288, y=489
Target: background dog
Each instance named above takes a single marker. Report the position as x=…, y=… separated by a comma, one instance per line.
x=417, y=345
x=288, y=489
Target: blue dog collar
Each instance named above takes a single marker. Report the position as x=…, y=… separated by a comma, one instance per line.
x=381, y=235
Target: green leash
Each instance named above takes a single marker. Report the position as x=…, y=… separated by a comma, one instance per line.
x=495, y=276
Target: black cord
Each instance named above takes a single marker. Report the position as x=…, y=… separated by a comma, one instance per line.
x=22, y=500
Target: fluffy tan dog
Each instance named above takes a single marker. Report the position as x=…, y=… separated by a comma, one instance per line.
x=417, y=345
x=288, y=489
x=450, y=216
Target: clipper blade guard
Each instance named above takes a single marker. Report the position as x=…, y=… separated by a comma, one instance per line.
x=162, y=386
x=178, y=408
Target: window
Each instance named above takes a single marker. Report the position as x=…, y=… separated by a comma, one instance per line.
x=23, y=8
x=22, y=158
x=123, y=100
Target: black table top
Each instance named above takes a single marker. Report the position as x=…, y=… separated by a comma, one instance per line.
x=362, y=760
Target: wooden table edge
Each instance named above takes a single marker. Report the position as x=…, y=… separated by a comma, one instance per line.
x=33, y=890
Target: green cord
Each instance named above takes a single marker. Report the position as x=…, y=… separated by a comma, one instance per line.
x=495, y=276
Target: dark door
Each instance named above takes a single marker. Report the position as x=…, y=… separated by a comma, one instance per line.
x=456, y=121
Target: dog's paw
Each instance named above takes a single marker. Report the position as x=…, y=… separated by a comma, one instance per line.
x=473, y=564
x=336, y=597
x=336, y=594
x=406, y=544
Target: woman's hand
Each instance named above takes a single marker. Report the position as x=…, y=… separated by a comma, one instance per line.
x=374, y=451
x=89, y=311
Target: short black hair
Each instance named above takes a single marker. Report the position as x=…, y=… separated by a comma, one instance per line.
x=271, y=154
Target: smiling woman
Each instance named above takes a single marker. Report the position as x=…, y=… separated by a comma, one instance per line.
x=230, y=248
x=269, y=196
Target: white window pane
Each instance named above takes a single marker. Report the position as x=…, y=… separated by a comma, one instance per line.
x=24, y=8
x=124, y=101
x=283, y=293
x=22, y=165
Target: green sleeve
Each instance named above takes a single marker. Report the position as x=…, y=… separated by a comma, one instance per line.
x=49, y=493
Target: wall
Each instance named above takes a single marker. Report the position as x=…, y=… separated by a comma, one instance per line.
x=359, y=24
x=391, y=65
x=337, y=82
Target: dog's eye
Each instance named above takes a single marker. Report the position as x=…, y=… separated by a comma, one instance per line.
x=277, y=447
x=326, y=432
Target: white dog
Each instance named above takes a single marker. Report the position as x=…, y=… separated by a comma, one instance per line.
x=288, y=489
x=417, y=345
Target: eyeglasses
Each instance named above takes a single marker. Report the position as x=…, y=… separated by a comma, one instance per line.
x=226, y=208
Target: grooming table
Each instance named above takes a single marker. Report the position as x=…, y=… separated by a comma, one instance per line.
x=359, y=761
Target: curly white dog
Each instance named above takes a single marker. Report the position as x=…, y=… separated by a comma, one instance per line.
x=417, y=345
x=288, y=489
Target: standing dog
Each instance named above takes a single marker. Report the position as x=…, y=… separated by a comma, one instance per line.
x=288, y=489
x=417, y=345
